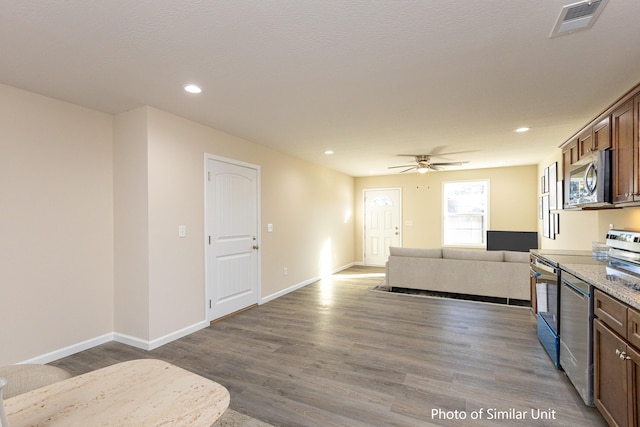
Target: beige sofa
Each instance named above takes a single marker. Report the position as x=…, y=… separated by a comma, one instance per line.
x=501, y=274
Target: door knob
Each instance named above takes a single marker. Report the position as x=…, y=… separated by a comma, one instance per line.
x=256, y=247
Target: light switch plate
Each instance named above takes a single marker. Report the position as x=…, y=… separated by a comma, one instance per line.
x=182, y=231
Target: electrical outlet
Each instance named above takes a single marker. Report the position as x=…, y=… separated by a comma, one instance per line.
x=285, y=271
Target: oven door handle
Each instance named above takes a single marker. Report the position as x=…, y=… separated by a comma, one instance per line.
x=540, y=265
x=575, y=289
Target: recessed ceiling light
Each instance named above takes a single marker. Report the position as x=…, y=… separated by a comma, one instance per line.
x=191, y=88
x=522, y=129
x=328, y=152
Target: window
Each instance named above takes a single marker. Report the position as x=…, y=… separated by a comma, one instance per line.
x=381, y=201
x=466, y=213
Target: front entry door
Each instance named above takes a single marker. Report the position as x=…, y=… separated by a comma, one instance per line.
x=232, y=236
x=382, y=216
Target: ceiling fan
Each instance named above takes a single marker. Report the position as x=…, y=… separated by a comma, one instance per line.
x=424, y=163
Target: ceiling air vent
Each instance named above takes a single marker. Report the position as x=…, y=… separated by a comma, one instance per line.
x=577, y=17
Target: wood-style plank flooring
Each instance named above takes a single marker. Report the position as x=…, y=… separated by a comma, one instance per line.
x=336, y=353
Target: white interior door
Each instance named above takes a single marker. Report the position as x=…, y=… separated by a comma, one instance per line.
x=232, y=206
x=382, y=224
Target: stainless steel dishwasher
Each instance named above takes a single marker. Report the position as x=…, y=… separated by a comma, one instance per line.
x=576, y=339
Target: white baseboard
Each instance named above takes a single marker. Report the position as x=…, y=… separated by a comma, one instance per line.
x=131, y=340
x=153, y=344
x=72, y=349
x=118, y=337
x=344, y=267
x=297, y=286
x=158, y=342
x=288, y=290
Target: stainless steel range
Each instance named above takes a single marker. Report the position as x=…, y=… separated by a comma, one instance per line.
x=624, y=249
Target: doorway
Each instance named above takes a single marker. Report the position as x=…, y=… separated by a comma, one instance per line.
x=232, y=236
x=382, y=224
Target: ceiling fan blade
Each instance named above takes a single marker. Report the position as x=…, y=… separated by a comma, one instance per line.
x=407, y=170
x=436, y=150
x=403, y=166
x=448, y=164
x=450, y=153
x=436, y=153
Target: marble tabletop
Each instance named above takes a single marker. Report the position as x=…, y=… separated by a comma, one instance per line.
x=144, y=392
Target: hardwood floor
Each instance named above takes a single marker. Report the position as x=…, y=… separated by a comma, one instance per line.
x=336, y=353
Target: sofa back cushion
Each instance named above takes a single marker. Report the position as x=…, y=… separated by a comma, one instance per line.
x=513, y=256
x=416, y=252
x=471, y=255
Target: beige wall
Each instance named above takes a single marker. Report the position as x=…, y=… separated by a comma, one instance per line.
x=579, y=229
x=512, y=197
x=131, y=224
x=305, y=203
x=56, y=216
x=91, y=205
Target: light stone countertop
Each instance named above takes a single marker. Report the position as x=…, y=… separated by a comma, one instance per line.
x=562, y=252
x=145, y=392
x=612, y=281
x=597, y=272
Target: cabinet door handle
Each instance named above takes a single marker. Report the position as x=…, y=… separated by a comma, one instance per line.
x=622, y=355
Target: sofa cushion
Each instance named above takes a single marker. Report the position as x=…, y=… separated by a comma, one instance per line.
x=416, y=252
x=471, y=255
x=513, y=256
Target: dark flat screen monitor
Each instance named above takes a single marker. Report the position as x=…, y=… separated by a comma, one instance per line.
x=520, y=241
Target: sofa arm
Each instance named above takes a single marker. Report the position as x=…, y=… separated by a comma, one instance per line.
x=24, y=378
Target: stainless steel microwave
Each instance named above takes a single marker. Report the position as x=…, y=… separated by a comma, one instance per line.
x=590, y=182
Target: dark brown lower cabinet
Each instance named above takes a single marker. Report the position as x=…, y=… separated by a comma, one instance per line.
x=616, y=377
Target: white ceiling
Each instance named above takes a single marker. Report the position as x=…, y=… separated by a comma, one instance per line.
x=368, y=79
